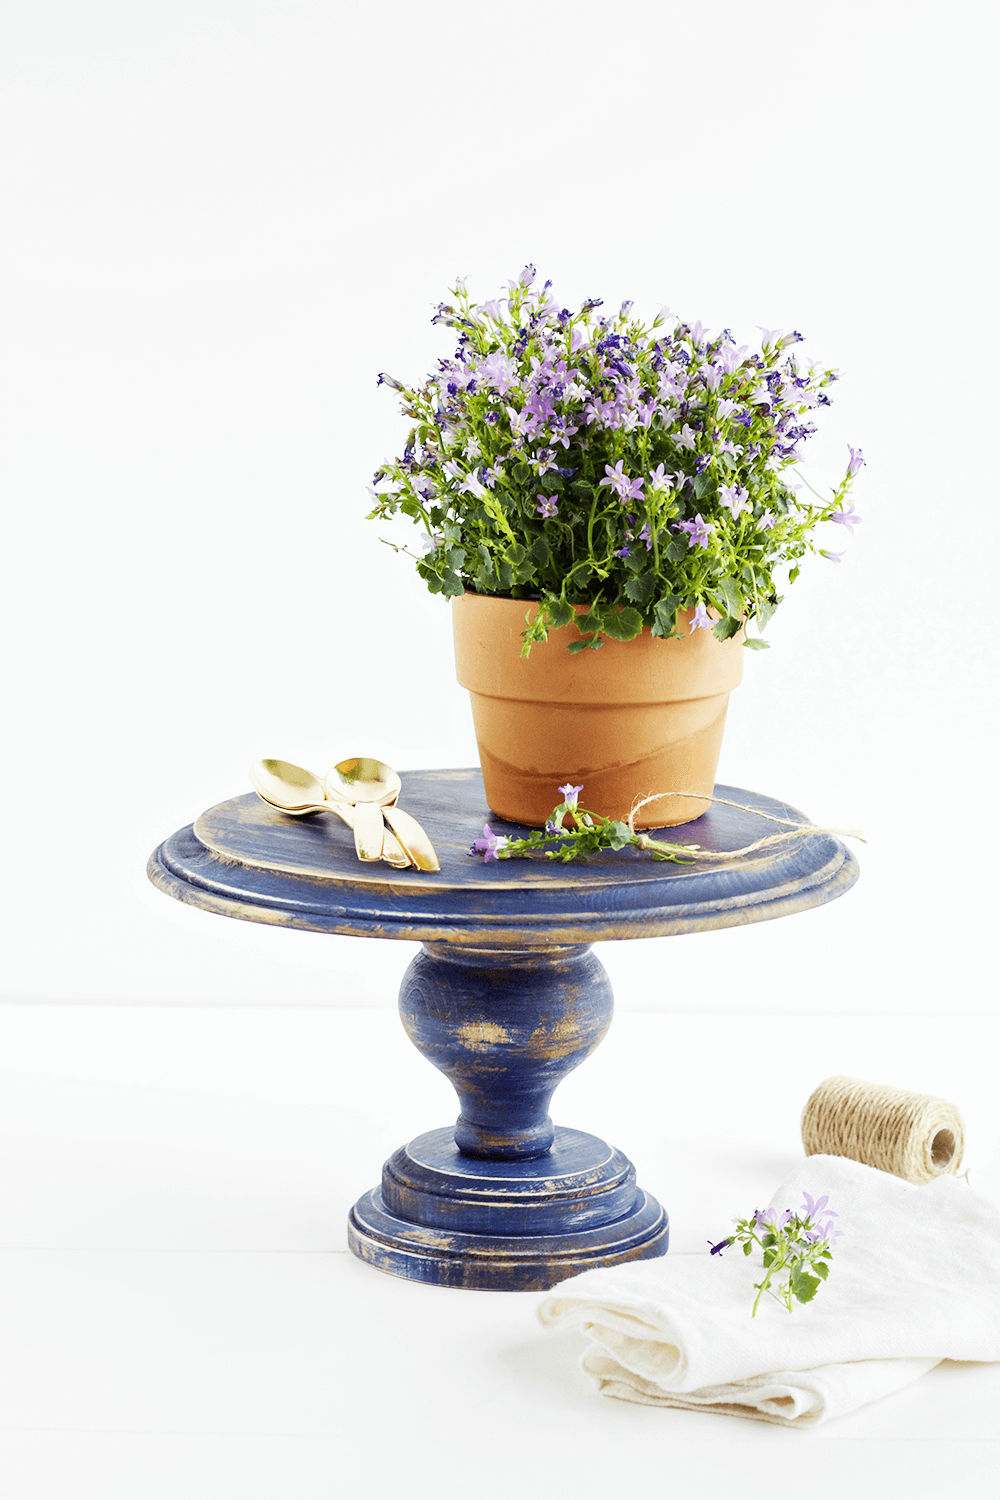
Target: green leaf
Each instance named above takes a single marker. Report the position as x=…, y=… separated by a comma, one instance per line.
x=578, y=645
x=821, y=1269
x=765, y=612
x=561, y=613
x=803, y=1286
x=748, y=1247
x=618, y=835
x=665, y=615
x=624, y=626
x=640, y=588
x=733, y=596
x=541, y=551
x=754, y=643
x=770, y=1256
x=522, y=473
x=794, y=573
x=677, y=549
x=725, y=629
x=701, y=485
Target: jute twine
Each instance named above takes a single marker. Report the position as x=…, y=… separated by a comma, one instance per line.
x=697, y=852
x=914, y=1136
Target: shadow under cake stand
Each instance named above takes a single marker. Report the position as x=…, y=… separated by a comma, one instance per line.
x=505, y=998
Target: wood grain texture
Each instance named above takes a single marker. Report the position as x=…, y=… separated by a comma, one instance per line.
x=247, y=860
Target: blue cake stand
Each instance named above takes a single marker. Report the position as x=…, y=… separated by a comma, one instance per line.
x=505, y=998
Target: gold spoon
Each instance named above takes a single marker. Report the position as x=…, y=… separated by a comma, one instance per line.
x=365, y=782
x=297, y=791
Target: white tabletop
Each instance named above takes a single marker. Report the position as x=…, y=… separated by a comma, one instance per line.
x=182, y=1318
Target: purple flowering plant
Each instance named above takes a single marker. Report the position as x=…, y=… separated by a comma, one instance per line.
x=571, y=459
x=797, y=1248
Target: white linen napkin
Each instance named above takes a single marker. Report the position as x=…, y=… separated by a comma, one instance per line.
x=915, y=1279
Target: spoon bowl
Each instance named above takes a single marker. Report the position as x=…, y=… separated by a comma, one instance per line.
x=370, y=785
x=363, y=780
x=295, y=791
x=290, y=787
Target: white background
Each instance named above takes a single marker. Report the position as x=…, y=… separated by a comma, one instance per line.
x=219, y=223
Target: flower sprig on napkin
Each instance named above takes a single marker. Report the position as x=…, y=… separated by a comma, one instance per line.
x=796, y=1247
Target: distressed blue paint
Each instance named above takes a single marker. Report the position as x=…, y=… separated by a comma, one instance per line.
x=511, y=1263
x=505, y=999
x=505, y=1028
x=245, y=859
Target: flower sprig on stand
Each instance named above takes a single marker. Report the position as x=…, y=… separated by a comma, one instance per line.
x=796, y=1249
x=589, y=834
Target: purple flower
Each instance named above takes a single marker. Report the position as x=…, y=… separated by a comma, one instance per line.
x=718, y=1249
x=432, y=541
x=812, y=1208
x=472, y=485
x=527, y=276
x=625, y=551
x=766, y=521
x=735, y=497
x=774, y=1218
x=659, y=479
x=701, y=621
x=496, y=369
x=624, y=488
x=686, y=437
x=547, y=506
x=857, y=459
x=570, y=794
x=848, y=518
x=699, y=530
x=817, y=1210
x=390, y=380
x=833, y=557
x=488, y=845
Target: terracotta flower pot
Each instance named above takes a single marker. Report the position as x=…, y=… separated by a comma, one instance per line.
x=627, y=720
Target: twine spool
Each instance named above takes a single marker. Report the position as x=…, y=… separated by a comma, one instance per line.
x=914, y=1136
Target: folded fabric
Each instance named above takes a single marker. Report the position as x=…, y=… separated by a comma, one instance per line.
x=915, y=1279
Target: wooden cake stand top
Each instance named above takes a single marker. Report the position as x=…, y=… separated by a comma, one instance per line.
x=245, y=859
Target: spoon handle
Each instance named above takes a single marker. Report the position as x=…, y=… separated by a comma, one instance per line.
x=412, y=837
x=392, y=850
x=369, y=831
